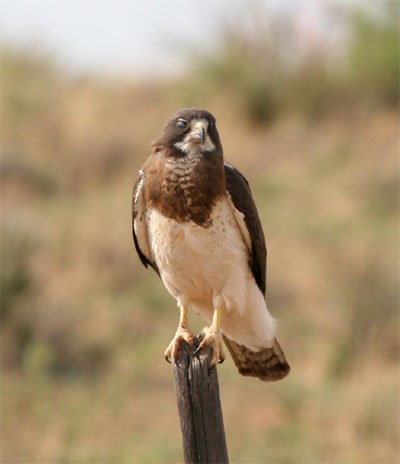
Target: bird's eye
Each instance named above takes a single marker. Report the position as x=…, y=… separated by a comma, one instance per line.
x=181, y=124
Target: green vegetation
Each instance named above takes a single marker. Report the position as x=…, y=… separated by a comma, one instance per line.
x=84, y=326
x=260, y=68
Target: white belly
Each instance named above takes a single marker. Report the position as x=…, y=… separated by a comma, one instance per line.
x=207, y=268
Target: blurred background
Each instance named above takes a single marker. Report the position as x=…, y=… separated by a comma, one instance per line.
x=306, y=97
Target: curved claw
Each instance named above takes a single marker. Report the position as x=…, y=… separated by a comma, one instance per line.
x=213, y=337
x=182, y=334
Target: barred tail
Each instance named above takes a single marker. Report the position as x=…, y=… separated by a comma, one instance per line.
x=268, y=364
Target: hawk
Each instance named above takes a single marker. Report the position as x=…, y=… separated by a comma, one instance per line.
x=196, y=224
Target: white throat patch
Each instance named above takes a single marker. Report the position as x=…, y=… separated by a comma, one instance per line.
x=192, y=147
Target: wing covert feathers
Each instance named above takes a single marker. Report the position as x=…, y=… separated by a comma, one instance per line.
x=268, y=364
x=242, y=199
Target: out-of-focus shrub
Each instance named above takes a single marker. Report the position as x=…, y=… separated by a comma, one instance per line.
x=20, y=174
x=373, y=64
x=371, y=297
x=29, y=83
x=245, y=68
x=17, y=248
x=264, y=76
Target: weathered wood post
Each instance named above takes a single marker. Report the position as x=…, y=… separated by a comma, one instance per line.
x=197, y=391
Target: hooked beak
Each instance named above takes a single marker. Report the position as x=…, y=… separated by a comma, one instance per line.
x=199, y=131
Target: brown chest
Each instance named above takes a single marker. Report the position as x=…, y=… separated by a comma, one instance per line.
x=186, y=188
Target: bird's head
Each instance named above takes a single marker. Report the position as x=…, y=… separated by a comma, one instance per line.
x=190, y=131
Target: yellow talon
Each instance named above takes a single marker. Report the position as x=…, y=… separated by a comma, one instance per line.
x=213, y=337
x=182, y=334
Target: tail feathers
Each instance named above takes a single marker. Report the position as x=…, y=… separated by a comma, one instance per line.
x=268, y=364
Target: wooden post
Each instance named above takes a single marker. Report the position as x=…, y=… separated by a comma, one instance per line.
x=197, y=391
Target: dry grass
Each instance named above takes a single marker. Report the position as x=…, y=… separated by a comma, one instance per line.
x=85, y=326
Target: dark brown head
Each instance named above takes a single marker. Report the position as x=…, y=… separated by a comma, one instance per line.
x=190, y=130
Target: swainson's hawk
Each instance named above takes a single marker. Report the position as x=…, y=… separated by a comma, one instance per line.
x=196, y=224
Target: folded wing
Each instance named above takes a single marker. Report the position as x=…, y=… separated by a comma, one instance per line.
x=139, y=227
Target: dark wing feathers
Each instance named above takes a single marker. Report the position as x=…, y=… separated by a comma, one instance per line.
x=139, y=228
x=240, y=192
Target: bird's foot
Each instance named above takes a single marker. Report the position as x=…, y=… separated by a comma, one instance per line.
x=182, y=334
x=213, y=338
